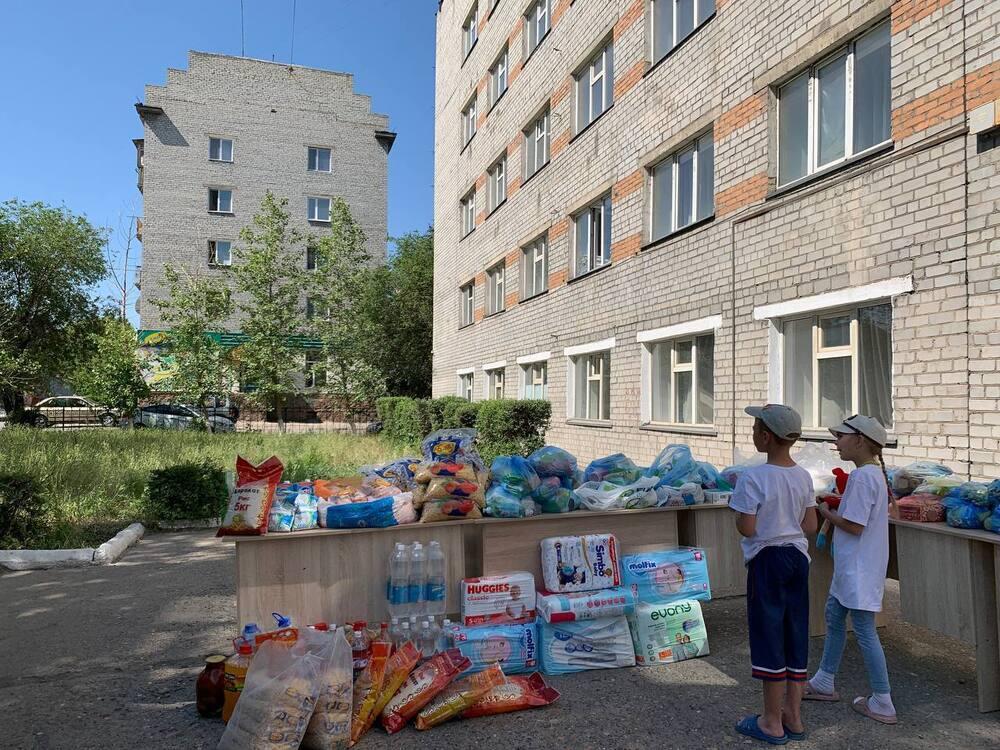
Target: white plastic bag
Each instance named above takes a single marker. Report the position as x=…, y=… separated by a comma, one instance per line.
x=819, y=459
x=330, y=725
x=608, y=496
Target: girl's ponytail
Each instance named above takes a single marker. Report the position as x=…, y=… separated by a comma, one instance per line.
x=892, y=498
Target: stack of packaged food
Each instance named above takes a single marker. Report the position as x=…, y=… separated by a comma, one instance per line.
x=450, y=481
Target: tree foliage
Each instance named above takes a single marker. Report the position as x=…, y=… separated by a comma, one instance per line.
x=111, y=377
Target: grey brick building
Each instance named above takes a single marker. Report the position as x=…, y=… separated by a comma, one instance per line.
x=653, y=212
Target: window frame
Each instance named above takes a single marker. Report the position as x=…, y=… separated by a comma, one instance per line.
x=470, y=31
x=531, y=21
x=495, y=382
x=467, y=213
x=529, y=382
x=534, y=134
x=466, y=388
x=606, y=57
x=317, y=150
x=221, y=140
x=675, y=369
x=498, y=71
x=213, y=253
x=313, y=201
x=603, y=205
x=310, y=371
x=467, y=304
x=219, y=191
x=673, y=159
x=469, y=124
x=496, y=288
x=496, y=185
x=528, y=262
x=675, y=40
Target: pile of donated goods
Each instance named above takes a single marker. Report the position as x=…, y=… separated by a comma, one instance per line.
x=930, y=492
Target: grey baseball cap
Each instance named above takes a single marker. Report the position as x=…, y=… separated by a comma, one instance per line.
x=859, y=424
x=782, y=420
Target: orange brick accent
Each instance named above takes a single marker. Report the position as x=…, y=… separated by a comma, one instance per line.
x=626, y=247
x=511, y=258
x=634, y=13
x=627, y=185
x=515, y=32
x=751, y=190
x=483, y=83
x=481, y=182
x=557, y=279
x=905, y=13
x=560, y=93
x=982, y=86
x=515, y=71
x=513, y=186
x=510, y=300
x=626, y=82
x=558, y=230
x=560, y=10
x=746, y=111
x=482, y=23
x=559, y=143
x=720, y=3
x=481, y=119
x=513, y=146
x=480, y=218
x=480, y=278
x=480, y=313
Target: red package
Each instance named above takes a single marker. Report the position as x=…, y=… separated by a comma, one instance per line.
x=400, y=664
x=516, y=694
x=367, y=687
x=925, y=508
x=252, y=497
x=421, y=686
x=458, y=696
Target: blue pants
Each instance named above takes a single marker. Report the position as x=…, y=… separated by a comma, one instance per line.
x=778, y=613
x=867, y=637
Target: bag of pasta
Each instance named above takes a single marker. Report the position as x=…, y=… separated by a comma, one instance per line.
x=330, y=725
x=367, y=688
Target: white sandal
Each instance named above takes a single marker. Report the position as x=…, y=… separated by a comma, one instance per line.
x=860, y=705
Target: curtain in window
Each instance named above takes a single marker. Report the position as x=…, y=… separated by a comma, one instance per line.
x=875, y=367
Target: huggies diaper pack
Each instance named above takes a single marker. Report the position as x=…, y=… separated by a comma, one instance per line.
x=494, y=600
x=667, y=575
x=580, y=563
x=586, y=605
x=513, y=647
x=585, y=644
x=665, y=633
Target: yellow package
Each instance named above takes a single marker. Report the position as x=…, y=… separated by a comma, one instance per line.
x=444, y=488
x=446, y=469
x=459, y=696
x=453, y=509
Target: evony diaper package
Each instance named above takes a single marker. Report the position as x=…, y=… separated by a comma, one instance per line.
x=586, y=605
x=513, y=647
x=665, y=633
x=585, y=644
x=493, y=600
x=667, y=575
x=580, y=563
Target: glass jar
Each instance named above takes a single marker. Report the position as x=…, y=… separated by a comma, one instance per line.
x=210, y=688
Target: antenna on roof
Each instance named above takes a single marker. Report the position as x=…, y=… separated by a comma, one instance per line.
x=291, y=56
x=243, y=43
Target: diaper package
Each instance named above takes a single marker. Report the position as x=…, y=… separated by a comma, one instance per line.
x=580, y=563
x=585, y=644
x=667, y=575
x=586, y=605
x=494, y=600
x=513, y=647
x=665, y=633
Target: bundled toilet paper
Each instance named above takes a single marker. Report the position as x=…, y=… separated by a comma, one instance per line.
x=580, y=563
x=585, y=644
x=667, y=575
x=586, y=605
x=665, y=633
x=493, y=600
x=513, y=647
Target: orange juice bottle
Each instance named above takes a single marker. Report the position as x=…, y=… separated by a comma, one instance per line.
x=235, y=675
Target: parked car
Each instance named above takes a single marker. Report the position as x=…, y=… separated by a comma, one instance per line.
x=178, y=417
x=70, y=411
x=219, y=405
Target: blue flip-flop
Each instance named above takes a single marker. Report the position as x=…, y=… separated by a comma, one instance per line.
x=797, y=736
x=748, y=727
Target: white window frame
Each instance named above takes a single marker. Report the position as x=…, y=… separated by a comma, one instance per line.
x=468, y=213
x=687, y=331
x=213, y=253
x=493, y=383
x=218, y=209
x=313, y=307
x=220, y=140
x=533, y=254
x=496, y=185
x=528, y=366
x=597, y=215
x=312, y=208
x=311, y=370
x=465, y=383
x=467, y=304
x=582, y=356
x=537, y=25
x=469, y=121
x=536, y=144
x=599, y=68
x=672, y=162
x=470, y=31
x=496, y=284
x=310, y=150
x=498, y=76
x=675, y=40
x=812, y=126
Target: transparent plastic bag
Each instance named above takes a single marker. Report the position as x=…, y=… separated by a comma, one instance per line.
x=616, y=469
x=611, y=496
x=820, y=460
x=514, y=474
x=399, y=473
x=330, y=725
x=453, y=446
x=937, y=485
x=551, y=461
x=673, y=466
x=502, y=503
x=906, y=480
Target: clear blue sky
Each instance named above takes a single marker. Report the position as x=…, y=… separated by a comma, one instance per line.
x=72, y=71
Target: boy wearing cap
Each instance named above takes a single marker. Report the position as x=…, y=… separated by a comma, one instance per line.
x=774, y=502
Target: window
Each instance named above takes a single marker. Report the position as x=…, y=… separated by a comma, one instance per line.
x=496, y=185
x=682, y=375
x=220, y=149
x=220, y=253
x=465, y=385
x=312, y=257
x=536, y=145
x=675, y=20
x=319, y=209
x=495, y=383
x=498, y=78
x=469, y=121
x=315, y=369
x=592, y=380
x=535, y=267
x=837, y=109
x=319, y=159
x=495, y=278
x=220, y=201
x=468, y=310
x=469, y=213
x=535, y=379
x=593, y=236
x=683, y=188
x=316, y=309
x=537, y=22
x=595, y=88
x=470, y=31
x=839, y=363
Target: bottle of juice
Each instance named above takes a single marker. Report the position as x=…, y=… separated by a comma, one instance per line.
x=235, y=675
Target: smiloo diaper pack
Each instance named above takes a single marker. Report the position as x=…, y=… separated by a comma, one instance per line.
x=585, y=644
x=586, y=605
x=513, y=647
x=580, y=563
x=665, y=633
x=667, y=575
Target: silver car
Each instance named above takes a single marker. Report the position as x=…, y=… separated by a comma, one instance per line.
x=178, y=417
x=70, y=411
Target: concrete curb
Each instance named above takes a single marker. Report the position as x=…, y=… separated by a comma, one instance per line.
x=115, y=547
x=42, y=559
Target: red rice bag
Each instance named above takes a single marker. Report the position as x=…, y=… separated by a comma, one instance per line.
x=367, y=687
x=429, y=679
x=925, y=507
x=516, y=694
x=252, y=497
x=459, y=696
x=400, y=664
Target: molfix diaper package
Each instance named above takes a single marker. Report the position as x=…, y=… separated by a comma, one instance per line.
x=665, y=633
x=667, y=575
x=585, y=644
x=580, y=563
x=513, y=647
x=494, y=600
x=586, y=605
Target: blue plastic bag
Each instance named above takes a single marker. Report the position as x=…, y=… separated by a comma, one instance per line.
x=674, y=466
x=513, y=647
x=668, y=575
x=553, y=496
x=964, y=515
x=993, y=493
x=710, y=478
x=502, y=503
x=971, y=492
x=375, y=514
x=515, y=474
x=616, y=469
x=551, y=461
x=992, y=522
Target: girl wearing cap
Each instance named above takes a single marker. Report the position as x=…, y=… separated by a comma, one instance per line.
x=860, y=557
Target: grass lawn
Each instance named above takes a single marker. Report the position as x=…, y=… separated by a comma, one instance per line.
x=92, y=481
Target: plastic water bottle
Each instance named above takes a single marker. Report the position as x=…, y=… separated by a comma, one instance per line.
x=444, y=640
x=417, y=591
x=398, y=584
x=426, y=640
x=404, y=633
x=436, y=585
x=394, y=631
x=435, y=630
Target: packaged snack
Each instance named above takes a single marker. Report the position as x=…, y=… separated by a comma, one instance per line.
x=449, y=510
x=921, y=507
x=397, y=669
x=330, y=725
x=513, y=647
x=550, y=461
x=444, y=488
x=515, y=694
x=385, y=511
x=495, y=600
x=426, y=681
x=665, y=633
x=452, y=446
x=458, y=696
x=667, y=575
x=580, y=563
x=399, y=473
x=250, y=501
x=586, y=605
x=428, y=471
x=616, y=469
x=585, y=644
x=367, y=688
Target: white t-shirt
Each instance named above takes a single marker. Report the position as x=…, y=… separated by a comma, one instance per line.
x=860, y=562
x=779, y=497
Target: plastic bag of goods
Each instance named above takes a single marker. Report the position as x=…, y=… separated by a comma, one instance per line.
x=665, y=633
x=938, y=485
x=580, y=563
x=906, y=480
x=367, y=688
x=674, y=465
x=373, y=514
x=964, y=515
x=616, y=469
x=458, y=696
x=508, y=598
x=453, y=509
x=515, y=694
x=710, y=478
x=741, y=462
x=281, y=516
x=452, y=446
x=501, y=503
x=514, y=474
x=820, y=461
x=306, y=512
x=550, y=461
x=586, y=605
x=251, y=498
x=611, y=496
x=993, y=493
x=580, y=645
x=922, y=507
x=397, y=669
x=277, y=702
x=444, y=488
x=399, y=473
x=976, y=493
x=992, y=521
x=553, y=496
x=438, y=469
x=688, y=493
x=426, y=681
x=667, y=575
x=513, y=647
x=330, y=725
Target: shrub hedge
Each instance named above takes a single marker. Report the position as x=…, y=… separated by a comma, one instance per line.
x=187, y=491
x=20, y=510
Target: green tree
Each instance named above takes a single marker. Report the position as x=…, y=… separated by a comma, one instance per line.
x=195, y=308
x=112, y=377
x=269, y=278
x=50, y=260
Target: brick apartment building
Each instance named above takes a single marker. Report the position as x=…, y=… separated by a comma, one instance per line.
x=653, y=212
